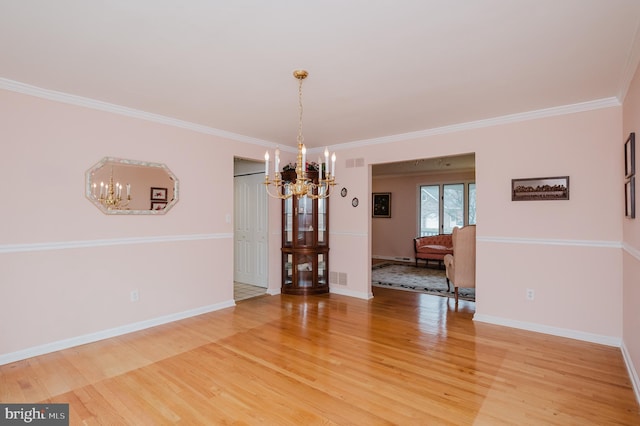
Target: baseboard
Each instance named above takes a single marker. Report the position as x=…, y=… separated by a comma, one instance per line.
x=395, y=258
x=273, y=291
x=350, y=293
x=112, y=332
x=554, y=331
x=633, y=374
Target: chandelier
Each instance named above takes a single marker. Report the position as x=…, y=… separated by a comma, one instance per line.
x=304, y=183
x=111, y=194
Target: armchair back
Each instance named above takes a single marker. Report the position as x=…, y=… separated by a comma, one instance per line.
x=461, y=267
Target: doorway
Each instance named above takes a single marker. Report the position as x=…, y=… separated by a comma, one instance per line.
x=430, y=196
x=250, y=225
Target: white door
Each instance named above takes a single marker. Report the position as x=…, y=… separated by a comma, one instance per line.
x=250, y=230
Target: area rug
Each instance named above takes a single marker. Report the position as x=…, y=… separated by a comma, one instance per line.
x=417, y=279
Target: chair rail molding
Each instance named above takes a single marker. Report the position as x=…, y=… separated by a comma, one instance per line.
x=552, y=242
x=63, y=245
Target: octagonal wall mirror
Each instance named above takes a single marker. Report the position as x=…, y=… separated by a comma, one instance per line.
x=119, y=186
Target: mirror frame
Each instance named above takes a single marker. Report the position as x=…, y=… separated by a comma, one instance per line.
x=107, y=160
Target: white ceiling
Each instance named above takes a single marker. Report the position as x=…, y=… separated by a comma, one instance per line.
x=377, y=68
x=439, y=165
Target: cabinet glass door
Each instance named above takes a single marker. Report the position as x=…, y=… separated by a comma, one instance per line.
x=305, y=222
x=287, y=278
x=287, y=222
x=305, y=270
x=322, y=270
x=322, y=221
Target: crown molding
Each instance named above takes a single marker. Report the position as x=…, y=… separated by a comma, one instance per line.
x=633, y=59
x=53, y=95
x=27, y=89
x=490, y=122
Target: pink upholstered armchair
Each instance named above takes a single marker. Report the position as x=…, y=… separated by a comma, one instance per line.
x=461, y=266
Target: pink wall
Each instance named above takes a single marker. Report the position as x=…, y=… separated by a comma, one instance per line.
x=72, y=268
x=567, y=251
x=67, y=268
x=631, y=237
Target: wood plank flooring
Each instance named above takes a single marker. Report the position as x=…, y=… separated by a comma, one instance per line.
x=401, y=358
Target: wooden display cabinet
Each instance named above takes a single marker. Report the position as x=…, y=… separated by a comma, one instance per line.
x=305, y=246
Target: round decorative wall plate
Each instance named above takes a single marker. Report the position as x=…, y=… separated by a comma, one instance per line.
x=343, y=192
x=354, y=202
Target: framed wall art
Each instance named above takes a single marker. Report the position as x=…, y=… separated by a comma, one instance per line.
x=158, y=205
x=538, y=189
x=630, y=198
x=630, y=155
x=381, y=204
x=159, y=194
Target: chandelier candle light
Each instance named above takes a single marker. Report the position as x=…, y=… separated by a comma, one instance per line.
x=111, y=194
x=303, y=185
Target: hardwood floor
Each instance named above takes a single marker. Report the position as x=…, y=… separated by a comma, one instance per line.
x=400, y=358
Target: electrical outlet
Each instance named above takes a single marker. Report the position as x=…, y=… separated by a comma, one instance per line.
x=135, y=296
x=530, y=294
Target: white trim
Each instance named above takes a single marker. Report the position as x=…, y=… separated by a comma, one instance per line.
x=16, y=86
x=555, y=331
x=631, y=250
x=395, y=259
x=350, y=234
x=62, y=245
x=633, y=374
x=350, y=293
x=496, y=121
x=112, y=332
x=53, y=95
x=631, y=66
x=582, y=243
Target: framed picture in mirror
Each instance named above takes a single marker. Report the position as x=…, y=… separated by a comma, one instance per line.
x=159, y=194
x=158, y=205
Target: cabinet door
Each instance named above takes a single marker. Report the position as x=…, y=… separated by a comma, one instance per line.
x=287, y=270
x=323, y=269
x=287, y=222
x=305, y=222
x=323, y=224
x=306, y=269
x=299, y=270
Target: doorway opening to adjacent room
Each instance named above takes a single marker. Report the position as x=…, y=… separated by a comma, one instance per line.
x=250, y=230
x=427, y=196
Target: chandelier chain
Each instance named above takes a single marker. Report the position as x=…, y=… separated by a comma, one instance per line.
x=315, y=185
x=300, y=137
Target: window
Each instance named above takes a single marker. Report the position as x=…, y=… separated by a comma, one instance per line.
x=471, y=202
x=439, y=214
x=453, y=207
x=429, y=210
